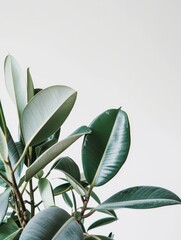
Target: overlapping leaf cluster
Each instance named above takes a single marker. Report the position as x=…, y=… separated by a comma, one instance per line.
x=105, y=147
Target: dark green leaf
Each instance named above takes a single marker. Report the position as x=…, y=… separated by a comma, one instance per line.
x=4, y=202
x=105, y=150
x=67, y=199
x=67, y=165
x=97, y=237
x=101, y=222
x=61, y=189
x=2, y=120
x=52, y=223
x=9, y=230
x=140, y=198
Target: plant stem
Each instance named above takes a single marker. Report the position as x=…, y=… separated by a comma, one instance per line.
x=5, y=179
x=21, y=159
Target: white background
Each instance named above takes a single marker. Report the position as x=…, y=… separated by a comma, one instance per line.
x=114, y=53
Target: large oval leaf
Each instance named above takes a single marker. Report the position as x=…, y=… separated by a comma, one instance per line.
x=46, y=112
x=9, y=230
x=4, y=202
x=54, y=151
x=106, y=149
x=52, y=223
x=46, y=192
x=141, y=197
x=15, y=83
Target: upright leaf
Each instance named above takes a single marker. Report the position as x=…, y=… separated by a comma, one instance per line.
x=141, y=197
x=46, y=192
x=54, y=151
x=30, y=86
x=4, y=202
x=52, y=223
x=15, y=83
x=2, y=120
x=106, y=149
x=46, y=112
x=3, y=147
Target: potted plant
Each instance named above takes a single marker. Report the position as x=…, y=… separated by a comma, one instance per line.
x=24, y=164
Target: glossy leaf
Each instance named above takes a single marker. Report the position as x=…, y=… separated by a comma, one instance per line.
x=106, y=149
x=67, y=165
x=30, y=86
x=4, y=202
x=46, y=112
x=52, y=223
x=9, y=230
x=54, y=151
x=15, y=83
x=61, y=189
x=2, y=120
x=3, y=172
x=101, y=222
x=141, y=197
x=46, y=192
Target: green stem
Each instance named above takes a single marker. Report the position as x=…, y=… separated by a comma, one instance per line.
x=21, y=159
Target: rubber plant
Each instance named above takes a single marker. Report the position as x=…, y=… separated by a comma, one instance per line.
x=28, y=164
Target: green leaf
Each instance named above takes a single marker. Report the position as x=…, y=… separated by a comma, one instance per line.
x=67, y=199
x=9, y=230
x=15, y=83
x=52, y=223
x=71, y=170
x=101, y=222
x=54, y=151
x=14, y=155
x=97, y=237
x=30, y=86
x=106, y=149
x=3, y=147
x=3, y=172
x=46, y=112
x=46, y=192
x=48, y=143
x=2, y=120
x=4, y=202
x=67, y=165
x=141, y=197
x=61, y=189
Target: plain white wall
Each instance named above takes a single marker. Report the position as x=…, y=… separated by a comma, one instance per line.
x=114, y=53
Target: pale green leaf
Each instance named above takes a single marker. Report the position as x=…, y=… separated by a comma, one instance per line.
x=46, y=112
x=46, y=192
x=52, y=223
x=30, y=87
x=3, y=147
x=15, y=83
x=4, y=202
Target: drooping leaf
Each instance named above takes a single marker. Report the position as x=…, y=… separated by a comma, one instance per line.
x=54, y=151
x=101, y=222
x=71, y=170
x=46, y=192
x=140, y=197
x=67, y=165
x=4, y=202
x=52, y=223
x=67, y=199
x=15, y=83
x=106, y=149
x=61, y=189
x=9, y=230
x=30, y=86
x=46, y=112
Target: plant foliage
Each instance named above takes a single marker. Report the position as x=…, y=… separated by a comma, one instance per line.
x=27, y=166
